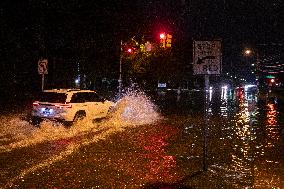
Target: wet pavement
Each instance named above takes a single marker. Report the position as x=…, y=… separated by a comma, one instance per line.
x=245, y=146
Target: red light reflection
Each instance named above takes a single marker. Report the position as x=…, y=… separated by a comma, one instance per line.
x=160, y=164
x=271, y=124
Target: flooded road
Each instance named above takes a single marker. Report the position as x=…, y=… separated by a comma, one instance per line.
x=151, y=143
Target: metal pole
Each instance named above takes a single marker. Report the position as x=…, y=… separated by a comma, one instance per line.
x=205, y=127
x=257, y=68
x=120, y=70
x=42, y=82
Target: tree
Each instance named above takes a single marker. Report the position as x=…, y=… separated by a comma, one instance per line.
x=149, y=67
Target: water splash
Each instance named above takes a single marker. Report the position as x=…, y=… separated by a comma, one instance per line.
x=19, y=133
x=133, y=108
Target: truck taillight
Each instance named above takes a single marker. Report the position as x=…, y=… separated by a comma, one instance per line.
x=35, y=104
x=61, y=106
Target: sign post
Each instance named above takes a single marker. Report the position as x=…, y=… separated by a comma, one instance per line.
x=207, y=58
x=42, y=69
x=205, y=126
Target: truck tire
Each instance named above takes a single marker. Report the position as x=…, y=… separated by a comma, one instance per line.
x=80, y=115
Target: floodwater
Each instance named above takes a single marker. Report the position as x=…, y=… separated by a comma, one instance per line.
x=153, y=142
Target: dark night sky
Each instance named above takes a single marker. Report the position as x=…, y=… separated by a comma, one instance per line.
x=52, y=28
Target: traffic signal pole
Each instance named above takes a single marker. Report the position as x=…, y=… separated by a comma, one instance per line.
x=120, y=70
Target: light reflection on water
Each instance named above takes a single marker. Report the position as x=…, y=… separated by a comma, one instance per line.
x=160, y=164
x=272, y=127
x=250, y=138
x=244, y=139
x=254, y=141
x=269, y=167
x=224, y=102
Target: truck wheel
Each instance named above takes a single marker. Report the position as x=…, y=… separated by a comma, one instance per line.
x=79, y=116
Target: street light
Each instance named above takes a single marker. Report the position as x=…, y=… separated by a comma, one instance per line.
x=248, y=52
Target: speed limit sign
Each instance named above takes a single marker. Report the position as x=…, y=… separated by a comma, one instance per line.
x=42, y=66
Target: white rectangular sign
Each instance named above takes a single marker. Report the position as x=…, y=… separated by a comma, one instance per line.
x=42, y=66
x=207, y=57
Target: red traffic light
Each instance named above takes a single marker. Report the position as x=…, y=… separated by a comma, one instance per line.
x=162, y=36
x=163, y=40
x=272, y=80
x=129, y=50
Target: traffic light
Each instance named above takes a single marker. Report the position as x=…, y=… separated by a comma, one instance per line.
x=163, y=40
x=272, y=80
x=169, y=41
x=166, y=40
x=129, y=50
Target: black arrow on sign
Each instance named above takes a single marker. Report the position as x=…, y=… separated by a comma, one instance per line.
x=200, y=60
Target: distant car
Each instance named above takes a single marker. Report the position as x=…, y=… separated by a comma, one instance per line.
x=69, y=105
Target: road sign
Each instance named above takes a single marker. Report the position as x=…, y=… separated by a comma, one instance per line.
x=207, y=57
x=42, y=66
